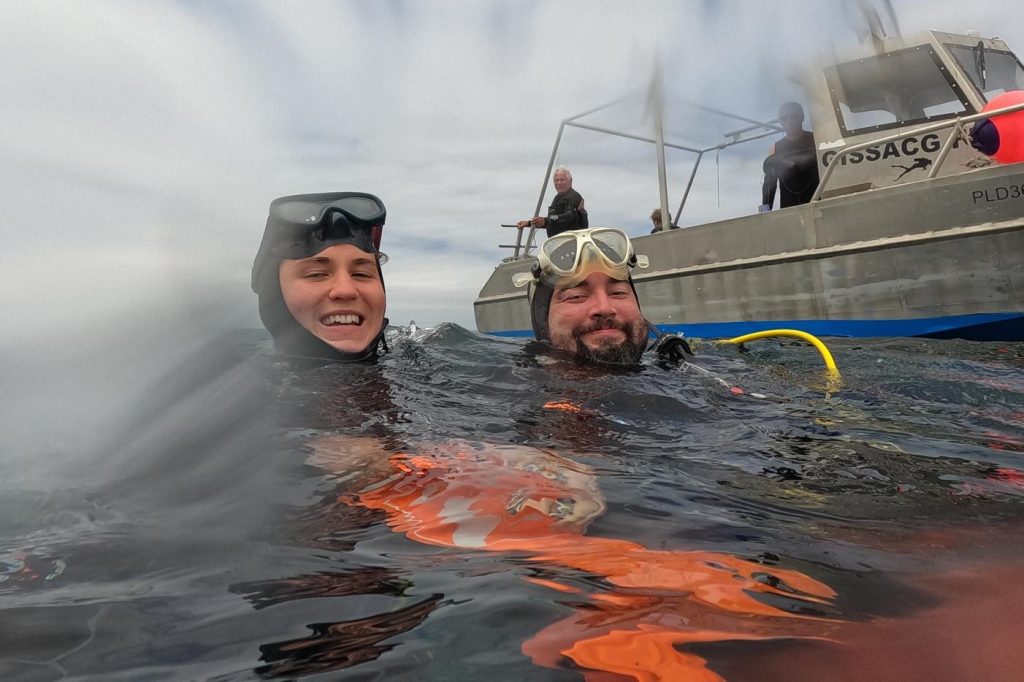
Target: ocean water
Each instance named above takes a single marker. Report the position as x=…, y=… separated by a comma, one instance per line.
x=468, y=508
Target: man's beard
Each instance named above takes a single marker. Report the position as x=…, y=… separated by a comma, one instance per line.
x=626, y=352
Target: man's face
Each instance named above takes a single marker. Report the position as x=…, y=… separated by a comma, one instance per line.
x=337, y=295
x=563, y=183
x=599, y=320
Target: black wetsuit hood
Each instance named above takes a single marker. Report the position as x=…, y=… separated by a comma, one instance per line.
x=291, y=338
x=284, y=237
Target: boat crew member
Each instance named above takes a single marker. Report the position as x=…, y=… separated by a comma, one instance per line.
x=582, y=300
x=791, y=164
x=656, y=221
x=318, y=276
x=566, y=211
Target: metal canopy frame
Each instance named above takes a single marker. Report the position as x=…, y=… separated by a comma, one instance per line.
x=734, y=137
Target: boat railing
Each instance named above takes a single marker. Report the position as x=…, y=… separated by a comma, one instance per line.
x=957, y=132
x=518, y=246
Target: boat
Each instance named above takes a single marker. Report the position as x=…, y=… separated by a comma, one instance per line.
x=911, y=231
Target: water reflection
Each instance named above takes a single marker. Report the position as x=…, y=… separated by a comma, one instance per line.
x=334, y=646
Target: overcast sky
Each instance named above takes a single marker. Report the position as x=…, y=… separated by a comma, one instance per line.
x=140, y=143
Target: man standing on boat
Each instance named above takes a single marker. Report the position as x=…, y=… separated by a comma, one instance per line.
x=582, y=300
x=791, y=164
x=656, y=222
x=566, y=211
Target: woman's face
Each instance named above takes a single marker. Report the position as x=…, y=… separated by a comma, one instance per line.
x=336, y=295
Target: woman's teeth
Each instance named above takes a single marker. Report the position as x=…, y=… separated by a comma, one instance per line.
x=341, y=319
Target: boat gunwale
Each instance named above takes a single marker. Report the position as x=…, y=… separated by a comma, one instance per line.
x=959, y=232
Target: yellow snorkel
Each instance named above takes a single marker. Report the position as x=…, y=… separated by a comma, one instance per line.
x=833, y=378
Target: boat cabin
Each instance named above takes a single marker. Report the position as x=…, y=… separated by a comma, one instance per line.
x=900, y=86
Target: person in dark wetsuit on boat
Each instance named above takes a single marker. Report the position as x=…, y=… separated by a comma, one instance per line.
x=318, y=276
x=791, y=164
x=566, y=211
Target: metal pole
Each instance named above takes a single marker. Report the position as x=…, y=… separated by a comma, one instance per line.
x=947, y=146
x=529, y=240
x=659, y=136
x=753, y=122
x=551, y=164
x=689, y=184
x=543, y=190
x=770, y=125
x=628, y=136
x=519, y=242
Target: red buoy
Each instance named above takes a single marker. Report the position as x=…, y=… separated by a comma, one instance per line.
x=1002, y=136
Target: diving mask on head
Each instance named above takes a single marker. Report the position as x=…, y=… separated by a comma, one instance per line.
x=568, y=258
x=303, y=225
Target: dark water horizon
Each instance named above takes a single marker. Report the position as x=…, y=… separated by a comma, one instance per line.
x=201, y=510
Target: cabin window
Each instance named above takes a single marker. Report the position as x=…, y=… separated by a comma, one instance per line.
x=891, y=90
x=1002, y=71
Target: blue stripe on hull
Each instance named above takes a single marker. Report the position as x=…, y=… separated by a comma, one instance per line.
x=515, y=333
x=976, y=327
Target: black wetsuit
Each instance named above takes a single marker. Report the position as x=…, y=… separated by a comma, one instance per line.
x=565, y=214
x=794, y=168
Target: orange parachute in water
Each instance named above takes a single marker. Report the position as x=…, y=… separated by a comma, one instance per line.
x=521, y=499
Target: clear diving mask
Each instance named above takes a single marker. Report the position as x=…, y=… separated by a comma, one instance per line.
x=568, y=258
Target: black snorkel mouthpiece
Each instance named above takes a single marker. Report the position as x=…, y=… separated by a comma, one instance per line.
x=671, y=347
x=301, y=226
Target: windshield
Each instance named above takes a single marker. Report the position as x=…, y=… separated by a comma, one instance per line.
x=993, y=72
x=891, y=90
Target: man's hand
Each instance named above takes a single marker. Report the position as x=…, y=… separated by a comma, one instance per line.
x=536, y=221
